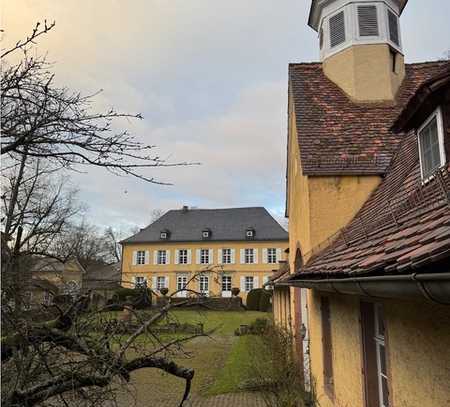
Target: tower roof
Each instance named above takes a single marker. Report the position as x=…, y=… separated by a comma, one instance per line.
x=318, y=5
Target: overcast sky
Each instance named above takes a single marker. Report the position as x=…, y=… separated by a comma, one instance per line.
x=210, y=79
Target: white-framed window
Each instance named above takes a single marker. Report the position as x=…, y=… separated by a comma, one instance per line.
x=431, y=144
x=380, y=344
x=161, y=257
x=249, y=256
x=248, y=283
x=204, y=256
x=140, y=257
x=204, y=284
x=182, y=256
x=250, y=233
x=164, y=235
x=226, y=256
x=271, y=255
x=182, y=280
x=226, y=283
x=160, y=282
x=139, y=281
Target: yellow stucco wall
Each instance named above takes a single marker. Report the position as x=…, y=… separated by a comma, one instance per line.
x=365, y=72
x=419, y=362
x=236, y=270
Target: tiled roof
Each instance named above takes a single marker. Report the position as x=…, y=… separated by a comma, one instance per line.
x=279, y=274
x=404, y=225
x=339, y=136
x=224, y=224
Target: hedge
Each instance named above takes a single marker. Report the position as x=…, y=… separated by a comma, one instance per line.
x=253, y=298
x=265, y=301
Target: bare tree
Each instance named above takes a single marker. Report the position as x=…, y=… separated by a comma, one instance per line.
x=156, y=214
x=82, y=358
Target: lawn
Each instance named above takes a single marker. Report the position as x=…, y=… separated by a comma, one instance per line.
x=220, y=361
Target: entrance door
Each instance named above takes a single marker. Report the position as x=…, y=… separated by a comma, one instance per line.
x=181, y=284
x=226, y=286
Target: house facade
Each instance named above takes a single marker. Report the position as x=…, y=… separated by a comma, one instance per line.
x=368, y=208
x=208, y=251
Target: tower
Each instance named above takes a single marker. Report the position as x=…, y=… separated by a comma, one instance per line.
x=361, y=46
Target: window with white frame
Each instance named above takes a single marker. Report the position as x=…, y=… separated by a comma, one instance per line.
x=204, y=284
x=383, y=384
x=140, y=257
x=226, y=283
x=431, y=144
x=182, y=256
x=226, y=256
x=161, y=257
x=249, y=256
x=204, y=256
x=139, y=281
x=248, y=283
x=160, y=282
x=271, y=255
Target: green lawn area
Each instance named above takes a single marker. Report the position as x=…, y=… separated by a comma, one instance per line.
x=223, y=322
x=220, y=361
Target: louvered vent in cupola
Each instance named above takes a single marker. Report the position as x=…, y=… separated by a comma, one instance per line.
x=393, y=28
x=368, y=21
x=337, y=29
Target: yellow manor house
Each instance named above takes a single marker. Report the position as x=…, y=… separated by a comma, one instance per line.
x=236, y=247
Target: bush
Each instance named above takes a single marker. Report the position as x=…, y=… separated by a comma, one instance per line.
x=273, y=370
x=253, y=298
x=139, y=297
x=235, y=291
x=265, y=301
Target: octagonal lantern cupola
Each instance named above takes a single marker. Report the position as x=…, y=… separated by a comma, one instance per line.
x=360, y=45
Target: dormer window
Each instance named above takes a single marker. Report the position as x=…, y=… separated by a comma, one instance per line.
x=206, y=234
x=250, y=233
x=164, y=234
x=431, y=144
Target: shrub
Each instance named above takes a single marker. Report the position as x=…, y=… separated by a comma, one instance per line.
x=274, y=372
x=265, y=301
x=235, y=291
x=253, y=298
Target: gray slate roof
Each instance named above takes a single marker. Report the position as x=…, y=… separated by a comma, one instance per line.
x=224, y=224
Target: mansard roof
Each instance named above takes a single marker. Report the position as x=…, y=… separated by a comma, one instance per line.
x=186, y=225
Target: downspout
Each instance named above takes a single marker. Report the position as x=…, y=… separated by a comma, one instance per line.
x=433, y=287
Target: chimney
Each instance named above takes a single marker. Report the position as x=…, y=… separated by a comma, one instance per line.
x=360, y=46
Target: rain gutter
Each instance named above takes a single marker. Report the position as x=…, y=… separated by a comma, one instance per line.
x=434, y=287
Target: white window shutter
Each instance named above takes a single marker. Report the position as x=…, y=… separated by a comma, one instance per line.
x=133, y=279
x=278, y=255
x=211, y=256
x=155, y=257
x=242, y=284
x=197, y=256
x=134, y=258
x=264, y=254
x=147, y=257
x=256, y=282
x=166, y=281
x=177, y=256
x=255, y=255
x=233, y=256
x=219, y=256
x=189, y=256
x=154, y=282
x=167, y=256
x=242, y=255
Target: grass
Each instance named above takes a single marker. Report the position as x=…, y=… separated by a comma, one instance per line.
x=220, y=362
x=234, y=373
x=224, y=322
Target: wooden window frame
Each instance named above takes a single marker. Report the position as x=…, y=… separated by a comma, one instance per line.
x=249, y=254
